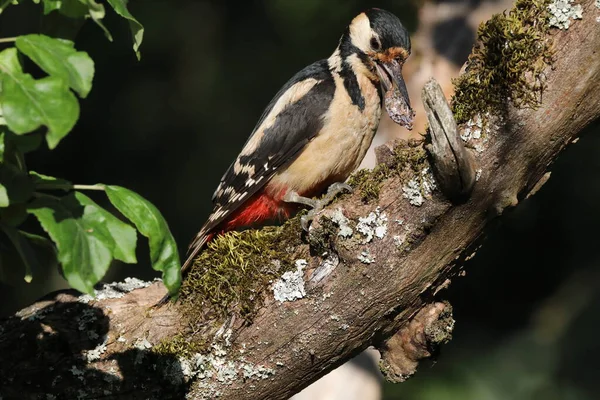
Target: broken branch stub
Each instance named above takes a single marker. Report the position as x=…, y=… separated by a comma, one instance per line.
x=420, y=339
x=452, y=164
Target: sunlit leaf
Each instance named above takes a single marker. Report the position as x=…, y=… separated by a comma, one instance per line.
x=59, y=58
x=4, y=200
x=149, y=221
x=86, y=237
x=2, y=146
x=28, y=104
x=123, y=234
x=137, y=30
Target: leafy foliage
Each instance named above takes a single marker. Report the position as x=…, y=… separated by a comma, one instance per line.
x=87, y=237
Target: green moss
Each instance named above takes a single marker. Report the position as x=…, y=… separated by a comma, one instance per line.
x=506, y=62
x=407, y=159
x=180, y=345
x=232, y=274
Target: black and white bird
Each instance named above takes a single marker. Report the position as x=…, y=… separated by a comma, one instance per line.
x=316, y=130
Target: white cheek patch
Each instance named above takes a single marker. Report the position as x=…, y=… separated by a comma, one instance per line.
x=361, y=33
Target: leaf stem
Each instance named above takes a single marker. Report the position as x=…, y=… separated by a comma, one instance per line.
x=8, y=40
x=68, y=186
x=88, y=187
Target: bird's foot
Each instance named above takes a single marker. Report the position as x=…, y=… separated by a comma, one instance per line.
x=316, y=205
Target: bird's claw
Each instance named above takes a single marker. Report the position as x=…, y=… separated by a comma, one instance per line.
x=316, y=205
x=337, y=188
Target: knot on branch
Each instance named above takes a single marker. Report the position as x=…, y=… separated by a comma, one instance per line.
x=400, y=354
x=452, y=164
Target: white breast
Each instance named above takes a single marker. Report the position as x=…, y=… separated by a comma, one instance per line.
x=340, y=146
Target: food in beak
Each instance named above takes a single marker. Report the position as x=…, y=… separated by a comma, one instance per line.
x=396, y=100
x=398, y=109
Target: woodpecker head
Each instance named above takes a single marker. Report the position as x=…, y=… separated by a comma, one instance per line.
x=377, y=44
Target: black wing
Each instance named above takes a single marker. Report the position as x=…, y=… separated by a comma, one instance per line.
x=293, y=127
x=275, y=141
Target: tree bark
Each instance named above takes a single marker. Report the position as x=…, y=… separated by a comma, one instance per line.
x=383, y=293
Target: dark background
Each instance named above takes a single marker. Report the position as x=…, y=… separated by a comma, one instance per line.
x=168, y=126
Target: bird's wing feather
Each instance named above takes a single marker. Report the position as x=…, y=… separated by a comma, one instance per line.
x=290, y=121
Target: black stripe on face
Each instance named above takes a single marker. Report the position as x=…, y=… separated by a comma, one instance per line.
x=347, y=74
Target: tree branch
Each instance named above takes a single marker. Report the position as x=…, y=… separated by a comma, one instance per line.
x=381, y=292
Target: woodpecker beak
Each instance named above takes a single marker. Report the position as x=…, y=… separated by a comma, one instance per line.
x=397, y=102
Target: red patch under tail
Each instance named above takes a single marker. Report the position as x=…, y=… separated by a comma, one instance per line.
x=258, y=209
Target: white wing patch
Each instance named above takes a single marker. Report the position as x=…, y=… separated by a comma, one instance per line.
x=292, y=95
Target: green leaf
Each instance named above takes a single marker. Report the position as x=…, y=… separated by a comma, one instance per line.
x=150, y=223
x=79, y=9
x=14, y=214
x=27, y=143
x=123, y=235
x=86, y=237
x=11, y=152
x=137, y=30
x=27, y=253
x=2, y=146
x=59, y=58
x=6, y=3
x=15, y=186
x=28, y=103
x=4, y=199
x=41, y=181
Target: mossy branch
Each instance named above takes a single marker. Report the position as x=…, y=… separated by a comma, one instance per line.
x=379, y=258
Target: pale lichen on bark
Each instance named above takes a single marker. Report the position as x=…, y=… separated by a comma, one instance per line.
x=253, y=346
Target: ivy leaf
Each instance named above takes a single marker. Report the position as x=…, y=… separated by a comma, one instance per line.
x=150, y=223
x=59, y=58
x=86, y=237
x=137, y=29
x=28, y=103
x=23, y=247
x=79, y=9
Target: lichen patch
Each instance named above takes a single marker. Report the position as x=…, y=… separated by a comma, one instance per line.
x=343, y=223
x=564, y=12
x=290, y=286
x=373, y=226
x=365, y=257
x=96, y=353
x=115, y=290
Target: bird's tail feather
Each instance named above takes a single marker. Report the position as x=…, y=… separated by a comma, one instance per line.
x=195, y=247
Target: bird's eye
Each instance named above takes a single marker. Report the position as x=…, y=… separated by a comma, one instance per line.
x=375, y=44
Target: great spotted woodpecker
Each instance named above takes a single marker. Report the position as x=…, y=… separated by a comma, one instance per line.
x=316, y=130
